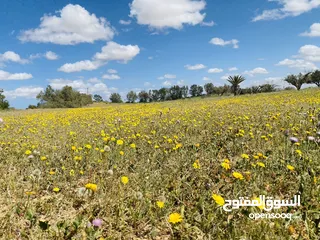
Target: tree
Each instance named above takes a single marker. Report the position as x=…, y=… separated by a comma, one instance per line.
x=97, y=98
x=235, y=83
x=193, y=90
x=64, y=98
x=199, y=90
x=297, y=80
x=175, y=92
x=154, y=95
x=268, y=88
x=163, y=93
x=115, y=98
x=132, y=97
x=184, y=91
x=143, y=96
x=4, y=104
x=315, y=78
x=209, y=88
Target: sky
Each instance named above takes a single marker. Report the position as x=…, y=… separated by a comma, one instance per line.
x=106, y=46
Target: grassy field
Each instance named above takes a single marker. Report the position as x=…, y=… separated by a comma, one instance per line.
x=161, y=170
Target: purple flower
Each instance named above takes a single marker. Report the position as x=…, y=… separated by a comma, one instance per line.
x=294, y=139
x=310, y=138
x=97, y=222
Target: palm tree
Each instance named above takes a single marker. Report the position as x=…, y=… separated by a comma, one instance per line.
x=297, y=80
x=235, y=82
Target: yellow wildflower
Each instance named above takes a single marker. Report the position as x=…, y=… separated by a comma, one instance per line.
x=93, y=187
x=124, y=180
x=237, y=175
x=175, y=218
x=160, y=204
x=196, y=164
x=218, y=199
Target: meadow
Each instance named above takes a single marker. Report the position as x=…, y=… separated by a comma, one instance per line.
x=161, y=170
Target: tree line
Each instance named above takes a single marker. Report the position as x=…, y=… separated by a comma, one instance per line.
x=67, y=97
x=181, y=92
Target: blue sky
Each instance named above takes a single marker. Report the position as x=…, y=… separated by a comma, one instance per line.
x=110, y=46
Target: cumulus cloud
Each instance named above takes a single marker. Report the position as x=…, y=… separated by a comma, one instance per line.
x=297, y=63
x=112, y=71
x=255, y=71
x=233, y=69
x=72, y=25
x=225, y=77
x=14, y=76
x=310, y=53
x=167, y=76
x=305, y=60
x=288, y=8
x=111, y=76
x=11, y=56
x=114, y=51
x=93, y=86
x=124, y=22
x=215, y=70
x=167, y=83
x=86, y=65
x=167, y=13
x=111, y=52
x=195, y=67
x=314, y=31
x=48, y=55
x=25, y=92
x=51, y=55
x=221, y=42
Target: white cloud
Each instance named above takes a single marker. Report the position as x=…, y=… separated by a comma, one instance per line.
x=289, y=8
x=117, y=52
x=111, y=76
x=93, y=86
x=167, y=83
x=48, y=55
x=225, y=77
x=147, y=84
x=86, y=65
x=195, y=67
x=112, y=71
x=112, y=51
x=314, y=31
x=10, y=56
x=215, y=70
x=14, y=76
x=206, y=79
x=25, y=92
x=233, y=69
x=208, y=24
x=170, y=76
x=221, y=42
x=124, y=22
x=51, y=55
x=310, y=53
x=180, y=82
x=255, y=71
x=150, y=58
x=74, y=25
x=297, y=63
x=167, y=13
